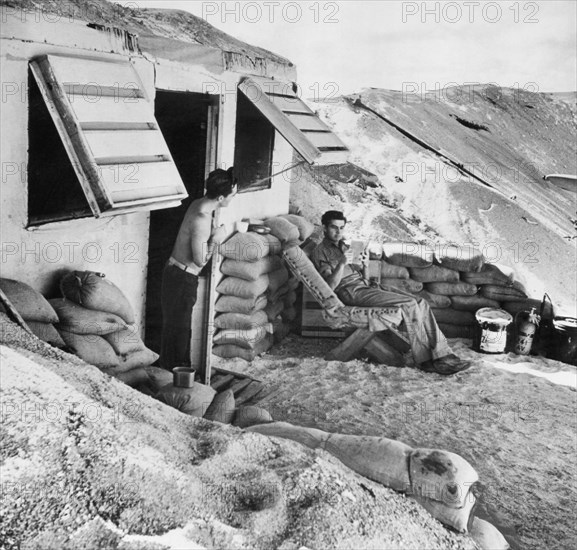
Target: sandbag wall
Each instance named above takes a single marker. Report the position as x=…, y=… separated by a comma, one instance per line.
x=454, y=280
x=256, y=304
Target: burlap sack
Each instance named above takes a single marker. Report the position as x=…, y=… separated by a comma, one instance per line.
x=472, y=303
x=234, y=286
x=502, y=293
x=434, y=300
x=222, y=408
x=490, y=274
x=31, y=305
x=390, y=271
x=459, y=257
x=406, y=285
x=240, y=321
x=232, y=304
x=289, y=299
x=452, y=289
x=247, y=247
x=286, y=232
x=93, y=291
x=47, y=333
x=125, y=341
x=278, y=278
x=158, y=378
x=305, y=227
x=250, y=271
x=91, y=348
x=457, y=331
x=245, y=338
x=230, y=351
x=192, y=401
x=288, y=314
x=434, y=274
x=454, y=317
x=408, y=254
x=487, y=536
x=274, y=309
x=143, y=357
x=250, y=415
x=133, y=378
x=80, y=320
x=460, y=519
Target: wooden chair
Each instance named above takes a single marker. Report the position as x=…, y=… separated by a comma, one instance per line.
x=374, y=328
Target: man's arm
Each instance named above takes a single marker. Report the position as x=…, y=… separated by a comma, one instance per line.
x=332, y=277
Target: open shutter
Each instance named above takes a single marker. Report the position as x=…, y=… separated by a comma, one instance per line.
x=293, y=119
x=107, y=125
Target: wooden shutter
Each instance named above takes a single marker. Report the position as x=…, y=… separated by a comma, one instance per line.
x=293, y=119
x=107, y=125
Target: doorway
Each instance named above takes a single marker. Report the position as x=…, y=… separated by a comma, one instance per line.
x=188, y=123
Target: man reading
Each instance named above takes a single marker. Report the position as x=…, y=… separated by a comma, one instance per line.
x=195, y=243
x=332, y=259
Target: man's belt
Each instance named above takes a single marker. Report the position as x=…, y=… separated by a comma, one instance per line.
x=194, y=270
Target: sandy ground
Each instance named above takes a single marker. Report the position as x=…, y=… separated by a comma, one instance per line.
x=512, y=418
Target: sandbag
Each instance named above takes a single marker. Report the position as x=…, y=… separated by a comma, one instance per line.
x=442, y=476
x=277, y=278
x=245, y=338
x=304, y=269
x=230, y=351
x=240, y=321
x=408, y=254
x=133, y=378
x=278, y=295
x=453, y=317
x=250, y=271
x=502, y=293
x=234, y=286
x=91, y=348
x=434, y=300
x=390, y=271
x=192, y=401
x=251, y=415
x=286, y=232
x=457, y=331
x=288, y=314
x=274, y=309
x=158, y=378
x=280, y=331
x=472, y=303
x=47, y=333
x=29, y=303
x=406, y=285
x=460, y=519
x=80, y=320
x=125, y=341
x=93, y=291
x=245, y=247
x=305, y=227
x=143, y=357
x=487, y=536
x=222, y=408
x=289, y=299
x=459, y=257
x=232, y=304
x=375, y=250
x=452, y=289
x=434, y=274
x=515, y=307
x=490, y=274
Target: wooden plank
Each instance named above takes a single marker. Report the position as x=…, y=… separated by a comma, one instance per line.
x=291, y=105
x=384, y=353
x=324, y=139
x=351, y=346
x=92, y=92
x=238, y=375
x=332, y=157
x=239, y=384
x=307, y=122
x=269, y=86
x=135, y=143
x=253, y=389
x=112, y=110
x=71, y=135
x=396, y=340
x=269, y=393
x=222, y=383
x=199, y=324
x=282, y=124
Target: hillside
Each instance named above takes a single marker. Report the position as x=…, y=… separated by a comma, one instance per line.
x=464, y=172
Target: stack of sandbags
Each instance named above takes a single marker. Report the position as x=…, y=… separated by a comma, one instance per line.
x=97, y=322
x=34, y=309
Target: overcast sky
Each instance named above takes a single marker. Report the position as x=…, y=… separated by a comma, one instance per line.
x=343, y=46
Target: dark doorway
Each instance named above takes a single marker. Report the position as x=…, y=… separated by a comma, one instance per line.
x=183, y=119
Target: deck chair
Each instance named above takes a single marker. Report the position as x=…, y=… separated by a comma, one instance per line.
x=376, y=328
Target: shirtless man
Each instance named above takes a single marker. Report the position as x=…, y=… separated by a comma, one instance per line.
x=333, y=261
x=195, y=243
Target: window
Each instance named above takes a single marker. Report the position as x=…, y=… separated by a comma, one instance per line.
x=107, y=127
x=254, y=143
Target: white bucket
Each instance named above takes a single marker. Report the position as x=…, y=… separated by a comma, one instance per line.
x=491, y=333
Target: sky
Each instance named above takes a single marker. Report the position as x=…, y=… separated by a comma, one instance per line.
x=343, y=46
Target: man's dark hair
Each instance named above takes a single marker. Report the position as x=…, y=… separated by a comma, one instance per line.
x=220, y=183
x=331, y=215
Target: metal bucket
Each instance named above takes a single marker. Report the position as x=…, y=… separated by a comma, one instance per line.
x=183, y=377
x=565, y=340
x=491, y=330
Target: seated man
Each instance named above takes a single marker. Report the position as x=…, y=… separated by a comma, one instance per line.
x=332, y=259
